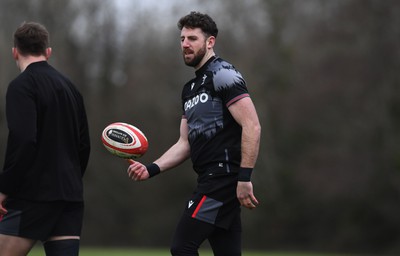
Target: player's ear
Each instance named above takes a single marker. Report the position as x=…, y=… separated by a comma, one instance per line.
x=14, y=51
x=210, y=42
x=48, y=53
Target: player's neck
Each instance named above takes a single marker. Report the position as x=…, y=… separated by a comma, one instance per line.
x=24, y=62
x=206, y=57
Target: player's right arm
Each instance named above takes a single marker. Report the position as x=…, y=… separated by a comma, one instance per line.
x=174, y=156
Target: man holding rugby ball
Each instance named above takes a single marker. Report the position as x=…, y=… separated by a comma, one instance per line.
x=220, y=132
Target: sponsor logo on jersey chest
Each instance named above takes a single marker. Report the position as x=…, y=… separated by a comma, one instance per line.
x=201, y=98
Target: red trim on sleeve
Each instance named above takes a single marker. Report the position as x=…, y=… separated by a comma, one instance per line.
x=241, y=96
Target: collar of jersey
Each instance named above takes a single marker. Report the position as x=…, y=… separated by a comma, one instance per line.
x=203, y=68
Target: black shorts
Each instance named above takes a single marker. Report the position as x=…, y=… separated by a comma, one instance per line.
x=42, y=220
x=214, y=201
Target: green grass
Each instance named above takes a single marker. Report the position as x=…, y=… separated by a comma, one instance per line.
x=38, y=251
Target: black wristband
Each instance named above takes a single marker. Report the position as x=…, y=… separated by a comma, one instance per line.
x=153, y=169
x=244, y=174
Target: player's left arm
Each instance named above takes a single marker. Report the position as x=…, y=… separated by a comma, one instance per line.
x=245, y=114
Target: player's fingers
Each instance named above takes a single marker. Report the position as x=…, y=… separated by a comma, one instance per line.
x=137, y=175
x=250, y=205
x=130, y=161
x=133, y=173
x=130, y=171
x=250, y=202
x=254, y=200
x=133, y=167
x=244, y=202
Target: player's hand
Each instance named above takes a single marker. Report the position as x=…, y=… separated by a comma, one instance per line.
x=137, y=171
x=3, y=198
x=244, y=192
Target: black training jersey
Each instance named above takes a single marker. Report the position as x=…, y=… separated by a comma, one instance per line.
x=48, y=143
x=214, y=135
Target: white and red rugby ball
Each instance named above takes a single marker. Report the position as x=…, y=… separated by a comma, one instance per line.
x=124, y=140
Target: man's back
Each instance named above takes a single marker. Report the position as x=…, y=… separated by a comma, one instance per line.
x=48, y=146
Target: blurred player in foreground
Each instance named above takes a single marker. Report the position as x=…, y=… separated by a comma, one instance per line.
x=220, y=132
x=41, y=191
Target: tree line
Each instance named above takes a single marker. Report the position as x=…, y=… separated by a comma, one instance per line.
x=324, y=78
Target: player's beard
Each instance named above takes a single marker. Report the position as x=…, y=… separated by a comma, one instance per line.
x=196, y=59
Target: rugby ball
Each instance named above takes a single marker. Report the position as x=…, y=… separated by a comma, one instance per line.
x=124, y=140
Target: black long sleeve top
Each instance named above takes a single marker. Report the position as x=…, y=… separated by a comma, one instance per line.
x=48, y=144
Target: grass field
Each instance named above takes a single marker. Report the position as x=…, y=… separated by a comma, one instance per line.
x=38, y=251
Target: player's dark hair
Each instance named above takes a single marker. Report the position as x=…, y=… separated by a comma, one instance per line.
x=31, y=38
x=199, y=20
